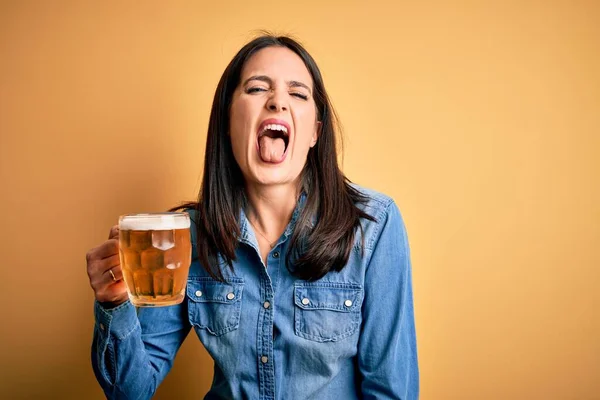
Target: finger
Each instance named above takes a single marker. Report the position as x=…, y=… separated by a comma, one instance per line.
x=114, y=274
x=114, y=232
x=99, y=268
x=106, y=250
x=116, y=293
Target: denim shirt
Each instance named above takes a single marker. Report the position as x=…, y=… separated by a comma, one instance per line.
x=348, y=335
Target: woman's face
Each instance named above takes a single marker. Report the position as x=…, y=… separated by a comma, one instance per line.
x=273, y=121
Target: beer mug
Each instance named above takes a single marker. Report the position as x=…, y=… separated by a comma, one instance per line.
x=155, y=252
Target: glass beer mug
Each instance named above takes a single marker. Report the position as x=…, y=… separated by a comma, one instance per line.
x=155, y=253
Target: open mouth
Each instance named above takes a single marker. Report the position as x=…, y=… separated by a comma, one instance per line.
x=273, y=141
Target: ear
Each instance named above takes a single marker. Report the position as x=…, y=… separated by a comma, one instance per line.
x=316, y=135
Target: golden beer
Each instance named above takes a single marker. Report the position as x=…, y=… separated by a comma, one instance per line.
x=155, y=252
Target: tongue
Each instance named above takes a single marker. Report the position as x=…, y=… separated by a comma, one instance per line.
x=271, y=149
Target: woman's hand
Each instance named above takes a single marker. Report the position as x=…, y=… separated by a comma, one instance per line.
x=104, y=271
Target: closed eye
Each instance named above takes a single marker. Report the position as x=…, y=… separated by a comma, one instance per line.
x=255, y=89
x=300, y=95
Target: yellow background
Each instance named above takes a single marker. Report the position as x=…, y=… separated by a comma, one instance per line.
x=482, y=119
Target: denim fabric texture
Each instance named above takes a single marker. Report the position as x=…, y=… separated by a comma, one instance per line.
x=348, y=335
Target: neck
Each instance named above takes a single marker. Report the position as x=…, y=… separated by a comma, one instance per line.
x=271, y=208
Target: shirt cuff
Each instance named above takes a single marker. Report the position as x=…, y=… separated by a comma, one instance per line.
x=119, y=322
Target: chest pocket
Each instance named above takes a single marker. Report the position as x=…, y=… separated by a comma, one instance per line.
x=215, y=306
x=327, y=311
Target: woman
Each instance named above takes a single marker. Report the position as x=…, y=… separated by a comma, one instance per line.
x=319, y=267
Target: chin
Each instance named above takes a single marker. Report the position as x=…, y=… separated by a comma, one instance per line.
x=272, y=178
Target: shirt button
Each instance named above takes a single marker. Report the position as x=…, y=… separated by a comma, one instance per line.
x=305, y=301
x=264, y=359
x=348, y=303
x=198, y=293
x=276, y=254
x=101, y=327
x=230, y=296
x=266, y=304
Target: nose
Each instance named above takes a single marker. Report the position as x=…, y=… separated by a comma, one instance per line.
x=276, y=102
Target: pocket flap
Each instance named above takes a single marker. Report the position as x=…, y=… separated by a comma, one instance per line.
x=202, y=290
x=343, y=297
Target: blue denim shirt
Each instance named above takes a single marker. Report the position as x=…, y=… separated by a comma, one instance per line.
x=349, y=335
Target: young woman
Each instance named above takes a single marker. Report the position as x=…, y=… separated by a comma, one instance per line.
x=300, y=284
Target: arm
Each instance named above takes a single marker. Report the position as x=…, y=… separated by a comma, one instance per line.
x=133, y=352
x=387, y=351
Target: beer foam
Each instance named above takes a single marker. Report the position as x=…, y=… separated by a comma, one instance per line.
x=156, y=222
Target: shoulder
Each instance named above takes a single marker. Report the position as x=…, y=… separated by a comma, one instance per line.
x=375, y=202
x=385, y=212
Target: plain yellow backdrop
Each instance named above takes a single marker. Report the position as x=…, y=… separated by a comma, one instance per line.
x=481, y=118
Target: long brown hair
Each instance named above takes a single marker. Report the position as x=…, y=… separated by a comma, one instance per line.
x=330, y=198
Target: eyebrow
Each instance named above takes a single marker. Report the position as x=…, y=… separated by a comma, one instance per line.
x=266, y=79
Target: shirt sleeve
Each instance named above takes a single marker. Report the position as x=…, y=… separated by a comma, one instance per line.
x=387, y=350
x=133, y=350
